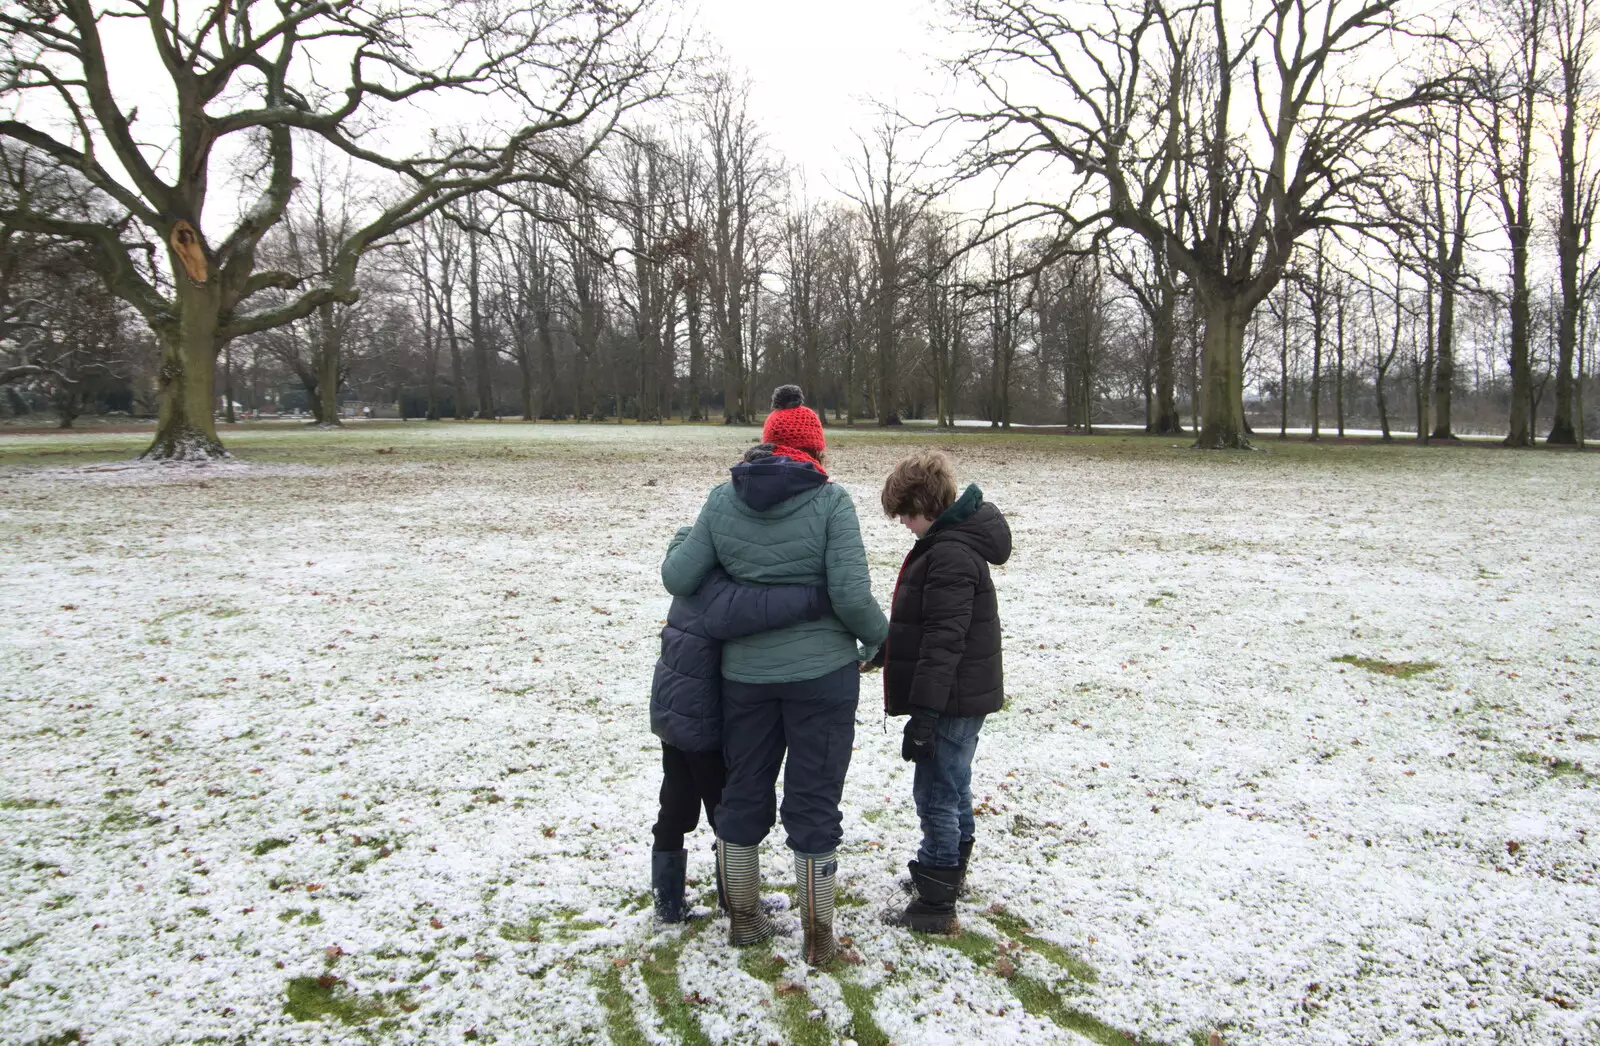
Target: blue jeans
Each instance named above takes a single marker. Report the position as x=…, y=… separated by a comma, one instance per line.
x=942, y=788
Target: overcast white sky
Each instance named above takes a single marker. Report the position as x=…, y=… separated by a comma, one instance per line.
x=817, y=66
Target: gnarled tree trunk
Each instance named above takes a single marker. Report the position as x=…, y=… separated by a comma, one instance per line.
x=1222, y=424
x=186, y=428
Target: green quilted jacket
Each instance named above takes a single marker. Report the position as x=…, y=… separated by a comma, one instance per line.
x=778, y=522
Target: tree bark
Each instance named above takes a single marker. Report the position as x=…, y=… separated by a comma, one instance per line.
x=1444, y=370
x=481, y=357
x=548, y=392
x=1338, y=357
x=1167, y=421
x=697, y=350
x=1424, y=367
x=1562, y=430
x=1222, y=369
x=327, y=363
x=1283, y=362
x=1520, y=432
x=525, y=367
x=227, y=386
x=1316, y=377
x=185, y=427
x=458, y=376
x=884, y=312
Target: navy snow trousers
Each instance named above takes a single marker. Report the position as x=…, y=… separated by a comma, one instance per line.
x=814, y=721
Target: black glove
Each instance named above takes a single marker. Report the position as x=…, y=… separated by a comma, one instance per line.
x=917, y=745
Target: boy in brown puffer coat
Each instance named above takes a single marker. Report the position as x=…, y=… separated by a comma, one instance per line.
x=942, y=666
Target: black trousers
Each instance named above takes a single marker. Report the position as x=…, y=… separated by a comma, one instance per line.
x=689, y=780
x=813, y=723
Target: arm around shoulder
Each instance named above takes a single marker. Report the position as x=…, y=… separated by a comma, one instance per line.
x=689, y=558
x=732, y=610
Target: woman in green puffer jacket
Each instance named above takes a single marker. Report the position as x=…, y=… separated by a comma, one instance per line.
x=781, y=521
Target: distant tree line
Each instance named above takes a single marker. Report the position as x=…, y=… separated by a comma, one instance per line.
x=1247, y=229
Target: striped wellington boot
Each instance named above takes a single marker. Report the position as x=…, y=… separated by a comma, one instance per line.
x=739, y=870
x=814, y=877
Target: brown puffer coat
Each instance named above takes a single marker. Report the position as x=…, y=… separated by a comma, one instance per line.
x=943, y=651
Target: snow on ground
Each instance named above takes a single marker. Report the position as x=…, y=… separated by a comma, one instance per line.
x=381, y=720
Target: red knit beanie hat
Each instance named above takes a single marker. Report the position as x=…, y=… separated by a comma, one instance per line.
x=792, y=423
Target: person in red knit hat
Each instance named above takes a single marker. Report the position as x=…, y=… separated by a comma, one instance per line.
x=793, y=429
x=789, y=695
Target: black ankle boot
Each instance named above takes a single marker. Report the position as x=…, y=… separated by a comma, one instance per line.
x=934, y=909
x=667, y=869
x=966, y=856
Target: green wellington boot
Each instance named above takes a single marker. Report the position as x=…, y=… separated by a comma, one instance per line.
x=739, y=870
x=814, y=879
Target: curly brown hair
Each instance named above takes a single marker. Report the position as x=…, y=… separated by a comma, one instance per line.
x=921, y=485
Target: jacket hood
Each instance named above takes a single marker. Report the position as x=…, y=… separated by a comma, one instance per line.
x=769, y=481
x=976, y=523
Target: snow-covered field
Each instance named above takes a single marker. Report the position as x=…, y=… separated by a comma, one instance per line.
x=363, y=735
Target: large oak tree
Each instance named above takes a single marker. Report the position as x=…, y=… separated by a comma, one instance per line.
x=518, y=92
x=1274, y=115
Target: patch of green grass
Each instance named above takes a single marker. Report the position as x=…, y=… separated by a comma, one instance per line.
x=794, y=1003
x=975, y=946
x=1160, y=597
x=863, y=1027
x=621, y=1024
x=660, y=975
x=1038, y=999
x=314, y=998
x=311, y=918
x=1017, y=928
x=762, y=963
x=266, y=846
x=530, y=930
x=1557, y=766
x=29, y=804
x=65, y=1038
x=1397, y=669
x=26, y=942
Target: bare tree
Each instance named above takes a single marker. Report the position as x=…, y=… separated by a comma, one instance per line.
x=649, y=220
x=1005, y=300
x=317, y=221
x=248, y=79
x=892, y=206
x=1129, y=94
x=741, y=175
x=1158, y=288
x=1511, y=80
x=802, y=259
x=1575, y=28
x=1437, y=213
x=846, y=280
x=949, y=304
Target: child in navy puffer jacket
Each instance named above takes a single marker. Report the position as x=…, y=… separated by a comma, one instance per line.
x=686, y=706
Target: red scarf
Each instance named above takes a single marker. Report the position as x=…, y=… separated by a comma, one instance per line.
x=794, y=454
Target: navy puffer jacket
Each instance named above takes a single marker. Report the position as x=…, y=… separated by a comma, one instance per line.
x=686, y=696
